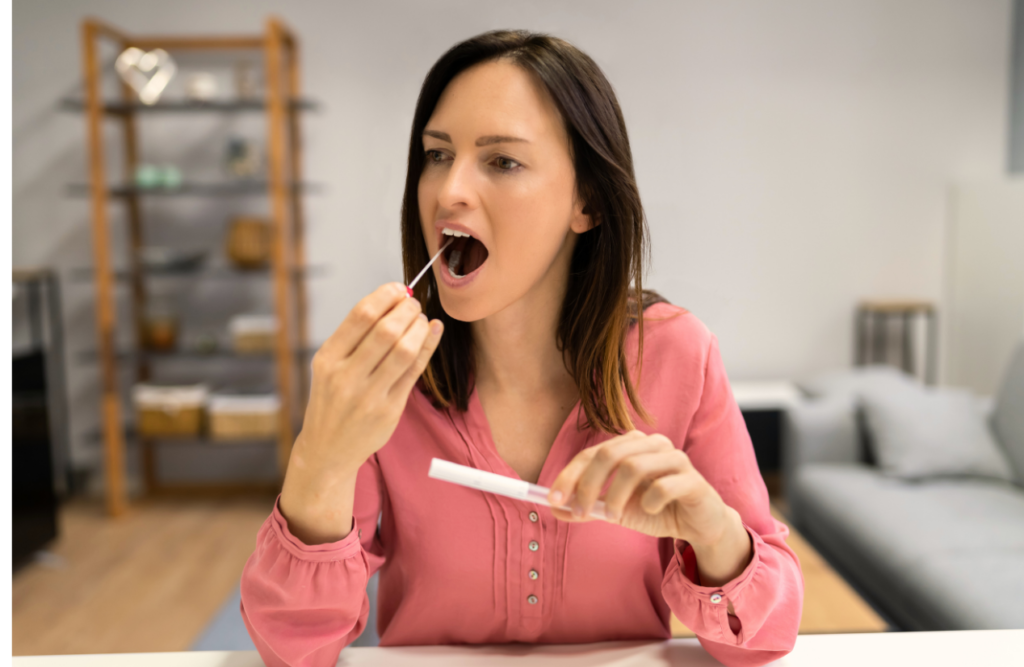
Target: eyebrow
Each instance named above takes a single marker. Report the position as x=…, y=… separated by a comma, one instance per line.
x=482, y=141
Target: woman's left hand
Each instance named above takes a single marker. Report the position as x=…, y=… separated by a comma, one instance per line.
x=655, y=491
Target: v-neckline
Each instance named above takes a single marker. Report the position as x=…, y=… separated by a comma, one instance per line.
x=476, y=411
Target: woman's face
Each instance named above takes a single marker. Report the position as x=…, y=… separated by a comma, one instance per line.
x=497, y=166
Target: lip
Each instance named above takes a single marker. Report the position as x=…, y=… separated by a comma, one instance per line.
x=440, y=225
x=442, y=268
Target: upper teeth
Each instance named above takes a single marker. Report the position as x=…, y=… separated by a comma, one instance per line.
x=452, y=232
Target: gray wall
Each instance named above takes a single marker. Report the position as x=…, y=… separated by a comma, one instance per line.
x=793, y=155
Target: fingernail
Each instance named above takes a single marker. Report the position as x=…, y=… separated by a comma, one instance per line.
x=436, y=327
x=556, y=497
x=577, y=511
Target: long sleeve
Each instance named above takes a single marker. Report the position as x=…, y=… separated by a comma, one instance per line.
x=767, y=596
x=302, y=604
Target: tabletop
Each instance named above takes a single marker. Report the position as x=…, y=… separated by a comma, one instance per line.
x=981, y=648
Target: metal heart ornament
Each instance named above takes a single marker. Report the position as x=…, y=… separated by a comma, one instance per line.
x=147, y=72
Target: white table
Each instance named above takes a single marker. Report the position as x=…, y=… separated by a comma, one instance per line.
x=976, y=648
x=765, y=395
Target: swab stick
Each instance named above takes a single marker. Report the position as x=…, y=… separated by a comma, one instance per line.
x=408, y=289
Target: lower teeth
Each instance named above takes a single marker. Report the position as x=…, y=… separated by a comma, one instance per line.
x=453, y=261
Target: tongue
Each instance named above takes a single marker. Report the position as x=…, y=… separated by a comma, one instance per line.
x=471, y=255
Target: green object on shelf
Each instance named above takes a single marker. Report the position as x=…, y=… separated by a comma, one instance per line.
x=171, y=177
x=148, y=176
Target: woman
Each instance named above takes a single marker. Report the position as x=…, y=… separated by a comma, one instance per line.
x=519, y=142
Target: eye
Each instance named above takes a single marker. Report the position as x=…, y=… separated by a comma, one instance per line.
x=434, y=156
x=505, y=164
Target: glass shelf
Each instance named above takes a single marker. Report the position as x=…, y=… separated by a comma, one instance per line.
x=92, y=355
x=85, y=274
x=227, y=188
x=188, y=106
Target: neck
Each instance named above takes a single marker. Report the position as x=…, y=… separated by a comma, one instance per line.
x=516, y=348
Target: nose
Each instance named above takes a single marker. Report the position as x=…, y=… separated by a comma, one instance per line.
x=459, y=188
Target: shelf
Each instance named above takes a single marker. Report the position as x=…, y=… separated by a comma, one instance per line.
x=281, y=185
x=130, y=435
x=92, y=355
x=227, y=188
x=85, y=274
x=186, y=106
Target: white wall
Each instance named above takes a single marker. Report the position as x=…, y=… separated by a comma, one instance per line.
x=985, y=306
x=793, y=155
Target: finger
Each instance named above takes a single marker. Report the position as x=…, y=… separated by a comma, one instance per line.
x=564, y=515
x=362, y=318
x=637, y=469
x=604, y=462
x=565, y=483
x=401, y=356
x=383, y=337
x=405, y=383
x=682, y=486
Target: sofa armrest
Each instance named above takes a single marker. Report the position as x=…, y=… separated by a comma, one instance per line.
x=821, y=430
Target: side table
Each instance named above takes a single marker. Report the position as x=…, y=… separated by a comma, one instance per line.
x=762, y=404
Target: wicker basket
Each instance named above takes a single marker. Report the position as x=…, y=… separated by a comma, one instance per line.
x=253, y=334
x=248, y=242
x=233, y=417
x=170, y=411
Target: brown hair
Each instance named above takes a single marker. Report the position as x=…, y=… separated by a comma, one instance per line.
x=599, y=304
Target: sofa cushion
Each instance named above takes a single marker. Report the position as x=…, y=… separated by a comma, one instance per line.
x=901, y=540
x=1008, y=416
x=919, y=432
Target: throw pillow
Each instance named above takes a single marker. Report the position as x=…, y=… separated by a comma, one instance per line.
x=856, y=380
x=922, y=432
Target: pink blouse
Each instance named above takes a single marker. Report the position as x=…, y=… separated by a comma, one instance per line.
x=460, y=566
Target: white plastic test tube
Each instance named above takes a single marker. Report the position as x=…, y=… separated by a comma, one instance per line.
x=500, y=485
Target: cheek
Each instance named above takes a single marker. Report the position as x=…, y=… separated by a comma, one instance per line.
x=426, y=197
x=534, y=220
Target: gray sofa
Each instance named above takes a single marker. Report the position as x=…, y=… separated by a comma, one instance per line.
x=932, y=551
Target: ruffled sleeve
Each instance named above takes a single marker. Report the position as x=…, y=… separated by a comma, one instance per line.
x=302, y=604
x=767, y=597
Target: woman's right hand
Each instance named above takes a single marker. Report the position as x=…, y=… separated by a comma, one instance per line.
x=362, y=377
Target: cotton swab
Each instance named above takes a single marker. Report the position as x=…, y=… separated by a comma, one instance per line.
x=408, y=289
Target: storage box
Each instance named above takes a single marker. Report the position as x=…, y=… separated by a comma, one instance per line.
x=244, y=417
x=251, y=334
x=175, y=410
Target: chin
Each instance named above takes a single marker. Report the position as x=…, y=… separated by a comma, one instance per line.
x=462, y=307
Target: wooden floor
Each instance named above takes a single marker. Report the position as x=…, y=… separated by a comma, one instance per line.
x=153, y=581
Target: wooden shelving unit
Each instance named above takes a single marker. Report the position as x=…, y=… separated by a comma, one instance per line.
x=283, y=186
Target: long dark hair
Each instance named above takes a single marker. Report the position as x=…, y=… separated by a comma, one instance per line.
x=599, y=304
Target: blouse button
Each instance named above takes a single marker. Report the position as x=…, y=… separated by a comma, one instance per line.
x=534, y=517
x=532, y=599
x=533, y=574
x=533, y=545
x=716, y=598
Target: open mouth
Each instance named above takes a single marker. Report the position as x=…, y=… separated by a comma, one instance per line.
x=464, y=256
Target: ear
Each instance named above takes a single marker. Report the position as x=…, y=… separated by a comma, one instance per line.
x=582, y=220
